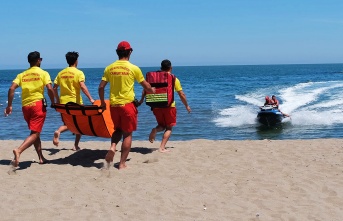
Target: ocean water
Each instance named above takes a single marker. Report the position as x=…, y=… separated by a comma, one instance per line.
x=224, y=102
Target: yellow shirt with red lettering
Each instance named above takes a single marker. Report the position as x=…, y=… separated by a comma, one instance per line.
x=69, y=81
x=121, y=76
x=32, y=81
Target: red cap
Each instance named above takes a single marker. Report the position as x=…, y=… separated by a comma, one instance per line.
x=124, y=45
x=267, y=98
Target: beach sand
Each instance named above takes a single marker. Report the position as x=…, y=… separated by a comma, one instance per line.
x=197, y=180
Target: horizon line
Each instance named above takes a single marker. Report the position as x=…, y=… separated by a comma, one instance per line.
x=214, y=65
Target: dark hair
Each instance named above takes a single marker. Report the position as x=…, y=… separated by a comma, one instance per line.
x=72, y=57
x=33, y=57
x=123, y=53
x=165, y=65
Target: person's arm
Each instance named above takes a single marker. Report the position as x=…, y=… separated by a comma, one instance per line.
x=184, y=100
x=86, y=92
x=101, y=91
x=148, y=87
x=11, y=90
x=51, y=93
x=143, y=96
x=275, y=103
x=57, y=98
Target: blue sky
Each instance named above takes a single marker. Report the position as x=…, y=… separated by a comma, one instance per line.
x=188, y=32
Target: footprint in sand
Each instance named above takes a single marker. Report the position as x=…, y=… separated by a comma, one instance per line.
x=12, y=170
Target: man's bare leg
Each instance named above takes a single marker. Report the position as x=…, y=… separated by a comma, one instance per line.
x=56, y=138
x=153, y=133
x=110, y=153
x=38, y=146
x=116, y=136
x=166, y=136
x=125, y=149
x=77, y=141
x=57, y=133
x=26, y=144
x=15, y=161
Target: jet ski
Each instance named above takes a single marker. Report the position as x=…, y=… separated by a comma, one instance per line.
x=269, y=115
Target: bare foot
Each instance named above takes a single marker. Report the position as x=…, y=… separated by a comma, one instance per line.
x=109, y=156
x=15, y=161
x=55, y=141
x=152, y=135
x=76, y=148
x=43, y=161
x=122, y=166
x=164, y=150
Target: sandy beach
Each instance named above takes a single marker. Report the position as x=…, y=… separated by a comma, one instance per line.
x=197, y=180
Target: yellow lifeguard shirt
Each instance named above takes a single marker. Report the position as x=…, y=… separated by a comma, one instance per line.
x=69, y=81
x=121, y=76
x=32, y=81
x=177, y=87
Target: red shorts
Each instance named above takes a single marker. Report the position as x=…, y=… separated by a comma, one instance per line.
x=165, y=116
x=125, y=117
x=35, y=115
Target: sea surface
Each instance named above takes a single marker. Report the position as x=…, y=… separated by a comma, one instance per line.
x=224, y=102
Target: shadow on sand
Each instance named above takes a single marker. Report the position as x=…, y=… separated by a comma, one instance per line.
x=84, y=158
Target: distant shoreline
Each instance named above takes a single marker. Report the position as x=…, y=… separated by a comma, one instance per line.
x=214, y=65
